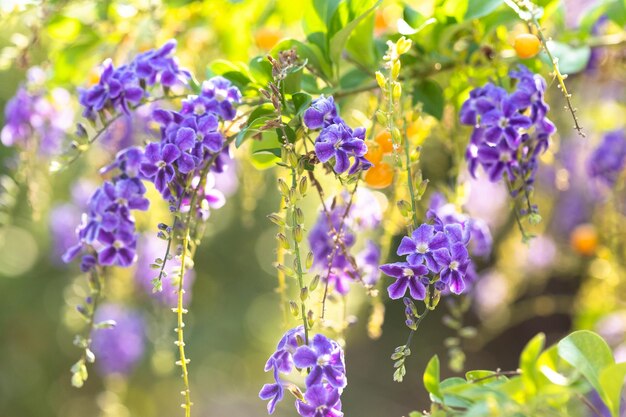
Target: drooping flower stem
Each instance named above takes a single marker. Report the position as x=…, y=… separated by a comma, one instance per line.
x=79, y=369
x=81, y=148
x=527, y=11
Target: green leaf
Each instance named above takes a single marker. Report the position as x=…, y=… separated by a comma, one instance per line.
x=528, y=362
x=338, y=40
x=612, y=382
x=570, y=59
x=431, y=377
x=64, y=29
x=479, y=8
x=264, y=151
x=480, y=376
x=588, y=353
x=261, y=70
x=301, y=101
x=360, y=44
x=430, y=94
x=252, y=128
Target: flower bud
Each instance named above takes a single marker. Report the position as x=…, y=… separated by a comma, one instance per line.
x=381, y=117
x=395, y=70
x=309, y=260
x=380, y=79
x=403, y=45
x=397, y=91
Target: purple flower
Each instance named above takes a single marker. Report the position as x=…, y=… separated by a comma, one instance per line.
x=608, y=160
x=324, y=360
x=454, y=262
x=34, y=117
x=340, y=142
x=158, y=164
x=120, y=348
x=321, y=401
x=282, y=358
x=118, y=248
x=369, y=260
x=321, y=114
x=504, y=124
x=408, y=276
x=420, y=246
x=120, y=88
x=272, y=392
x=510, y=130
x=324, y=357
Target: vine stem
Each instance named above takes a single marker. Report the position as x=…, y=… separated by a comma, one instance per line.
x=530, y=17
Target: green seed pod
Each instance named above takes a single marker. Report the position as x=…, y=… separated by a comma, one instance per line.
x=298, y=216
x=283, y=187
x=293, y=159
x=381, y=116
x=293, y=307
x=309, y=260
x=304, y=294
x=282, y=240
x=297, y=233
x=285, y=269
x=405, y=207
x=303, y=186
x=276, y=219
x=314, y=282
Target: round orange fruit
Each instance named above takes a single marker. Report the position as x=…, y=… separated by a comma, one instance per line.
x=584, y=239
x=266, y=38
x=385, y=142
x=374, y=152
x=526, y=45
x=379, y=176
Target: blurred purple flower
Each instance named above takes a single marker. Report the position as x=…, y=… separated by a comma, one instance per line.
x=119, y=349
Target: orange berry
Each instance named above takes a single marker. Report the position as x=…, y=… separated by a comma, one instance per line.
x=379, y=176
x=266, y=38
x=374, y=152
x=584, y=239
x=526, y=45
x=380, y=22
x=385, y=142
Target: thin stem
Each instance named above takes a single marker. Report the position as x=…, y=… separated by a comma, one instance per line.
x=294, y=184
x=180, y=310
x=407, y=155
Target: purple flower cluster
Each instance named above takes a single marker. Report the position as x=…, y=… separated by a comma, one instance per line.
x=336, y=140
x=328, y=246
x=510, y=130
x=436, y=254
x=191, y=144
x=107, y=234
x=121, y=347
x=120, y=88
x=325, y=381
x=34, y=119
x=608, y=160
x=189, y=140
